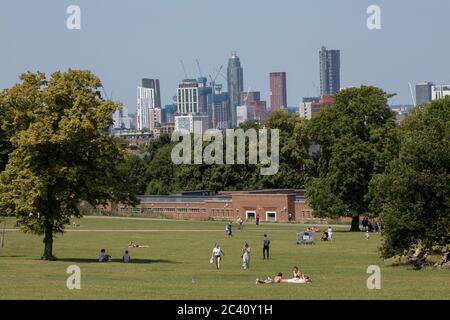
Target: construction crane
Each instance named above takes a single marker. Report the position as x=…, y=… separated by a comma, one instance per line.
x=246, y=96
x=219, y=72
x=213, y=81
x=106, y=95
x=412, y=94
x=184, y=69
x=199, y=69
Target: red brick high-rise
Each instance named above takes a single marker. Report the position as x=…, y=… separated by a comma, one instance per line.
x=278, y=96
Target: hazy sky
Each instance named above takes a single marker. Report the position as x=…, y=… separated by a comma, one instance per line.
x=123, y=41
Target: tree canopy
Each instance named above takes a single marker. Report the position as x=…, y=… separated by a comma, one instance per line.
x=356, y=138
x=413, y=195
x=61, y=151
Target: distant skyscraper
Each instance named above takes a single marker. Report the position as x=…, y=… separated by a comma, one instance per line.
x=423, y=92
x=249, y=97
x=219, y=109
x=154, y=84
x=145, y=102
x=278, y=96
x=203, y=91
x=252, y=109
x=235, y=79
x=330, y=74
x=168, y=113
x=188, y=97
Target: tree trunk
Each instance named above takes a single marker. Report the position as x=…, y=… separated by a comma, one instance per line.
x=355, y=223
x=48, y=245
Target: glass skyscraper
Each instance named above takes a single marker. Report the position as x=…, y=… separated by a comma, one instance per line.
x=330, y=71
x=423, y=92
x=235, y=78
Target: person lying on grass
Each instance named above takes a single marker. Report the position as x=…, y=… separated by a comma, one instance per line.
x=131, y=244
x=277, y=279
x=298, y=278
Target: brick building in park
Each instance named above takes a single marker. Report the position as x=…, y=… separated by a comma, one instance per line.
x=273, y=205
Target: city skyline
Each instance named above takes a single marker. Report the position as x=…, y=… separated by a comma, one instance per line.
x=114, y=53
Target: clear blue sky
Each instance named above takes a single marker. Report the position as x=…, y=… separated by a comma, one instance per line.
x=123, y=41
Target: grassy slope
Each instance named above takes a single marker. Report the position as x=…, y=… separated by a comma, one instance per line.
x=167, y=268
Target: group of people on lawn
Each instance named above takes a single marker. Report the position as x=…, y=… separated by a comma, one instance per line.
x=217, y=253
x=104, y=257
x=297, y=278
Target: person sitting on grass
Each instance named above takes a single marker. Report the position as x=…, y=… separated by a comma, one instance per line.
x=277, y=279
x=103, y=257
x=126, y=257
x=299, y=277
x=325, y=236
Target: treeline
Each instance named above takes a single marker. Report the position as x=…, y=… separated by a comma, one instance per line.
x=55, y=152
x=155, y=173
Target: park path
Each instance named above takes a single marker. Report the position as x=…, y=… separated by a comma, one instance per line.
x=175, y=220
x=69, y=228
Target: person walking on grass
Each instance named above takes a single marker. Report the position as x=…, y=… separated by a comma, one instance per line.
x=217, y=254
x=257, y=219
x=229, y=229
x=266, y=245
x=246, y=256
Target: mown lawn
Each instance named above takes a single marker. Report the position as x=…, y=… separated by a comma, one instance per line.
x=176, y=264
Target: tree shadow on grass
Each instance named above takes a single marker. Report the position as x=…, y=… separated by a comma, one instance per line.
x=13, y=256
x=133, y=261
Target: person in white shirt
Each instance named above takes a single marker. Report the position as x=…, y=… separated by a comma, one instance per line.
x=217, y=254
x=246, y=256
x=330, y=233
x=126, y=257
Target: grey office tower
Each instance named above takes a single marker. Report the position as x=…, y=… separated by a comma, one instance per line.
x=154, y=84
x=330, y=74
x=235, y=81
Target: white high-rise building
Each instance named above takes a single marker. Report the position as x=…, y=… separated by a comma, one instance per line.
x=188, y=97
x=145, y=102
x=440, y=91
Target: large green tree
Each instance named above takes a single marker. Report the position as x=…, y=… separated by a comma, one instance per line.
x=5, y=144
x=413, y=195
x=62, y=153
x=356, y=139
x=295, y=162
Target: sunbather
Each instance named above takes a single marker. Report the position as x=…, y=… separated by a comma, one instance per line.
x=277, y=279
x=131, y=244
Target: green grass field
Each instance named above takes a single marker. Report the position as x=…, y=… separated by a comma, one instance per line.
x=176, y=264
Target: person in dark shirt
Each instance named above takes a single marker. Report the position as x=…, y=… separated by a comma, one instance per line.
x=266, y=245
